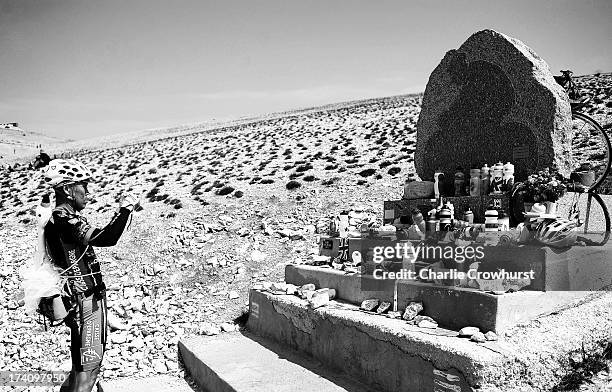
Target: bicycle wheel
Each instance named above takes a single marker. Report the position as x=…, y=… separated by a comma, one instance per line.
x=591, y=144
x=590, y=213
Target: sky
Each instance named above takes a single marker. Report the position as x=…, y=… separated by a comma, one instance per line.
x=84, y=68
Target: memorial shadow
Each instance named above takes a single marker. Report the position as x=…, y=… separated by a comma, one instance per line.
x=305, y=361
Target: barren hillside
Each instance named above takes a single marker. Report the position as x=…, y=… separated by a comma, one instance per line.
x=225, y=208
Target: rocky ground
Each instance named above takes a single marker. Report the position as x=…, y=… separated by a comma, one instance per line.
x=224, y=209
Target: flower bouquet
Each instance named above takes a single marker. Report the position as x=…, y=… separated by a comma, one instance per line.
x=546, y=187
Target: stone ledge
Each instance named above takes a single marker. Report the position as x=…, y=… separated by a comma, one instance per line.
x=390, y=355
x=451, y=307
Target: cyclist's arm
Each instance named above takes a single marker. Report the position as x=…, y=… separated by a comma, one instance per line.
x=76, y=229
x=110, y=234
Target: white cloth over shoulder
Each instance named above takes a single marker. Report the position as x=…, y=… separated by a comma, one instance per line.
x=40, y=278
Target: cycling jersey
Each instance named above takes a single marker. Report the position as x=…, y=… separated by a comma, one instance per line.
x=70, y=239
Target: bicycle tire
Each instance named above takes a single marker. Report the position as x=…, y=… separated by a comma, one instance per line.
x=590, y=136
x=593, y=216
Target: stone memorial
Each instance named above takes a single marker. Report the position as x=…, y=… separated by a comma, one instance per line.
x=493, y=100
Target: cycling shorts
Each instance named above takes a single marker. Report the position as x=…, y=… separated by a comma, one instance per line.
x=88, y=331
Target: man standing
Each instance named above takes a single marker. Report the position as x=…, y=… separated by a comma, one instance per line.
x=70, y=240
x=42, y=160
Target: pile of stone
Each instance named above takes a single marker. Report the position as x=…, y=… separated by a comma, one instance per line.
x=316, y=297
x=474, y=334
x=410, y=314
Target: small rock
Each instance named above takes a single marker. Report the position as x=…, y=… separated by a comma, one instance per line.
x=258, y=256
x=158, y=268
x=309, y=286
x=233, y=295
x=369, y=304
x=394, y=315
x=228, y=327
x=137, y=343
x=491, y=335
x=478, y=337
x=291, y=289
x=412, y=310
x=468, y=331
x=243, y=232
x=280, y=287
x=159, y=365
x=172, y=365
x=129, y=292
x=319, y=298
x=425, y=322
x=383, y=307
x=119, y=338
x=209, y=329
x=306, y=294
x=148, y=270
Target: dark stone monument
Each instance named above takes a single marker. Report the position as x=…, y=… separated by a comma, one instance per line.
x=493, y=99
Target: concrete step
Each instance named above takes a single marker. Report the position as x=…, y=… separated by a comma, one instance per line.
x=392, y=355
x=149, y=384
x=242, y=362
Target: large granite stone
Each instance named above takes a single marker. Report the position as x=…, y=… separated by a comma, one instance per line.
x=493, y=99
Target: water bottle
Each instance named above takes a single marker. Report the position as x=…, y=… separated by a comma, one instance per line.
x=438, y=183
x=497, y=179
x=445, y=219
x=469, y=216
x=459, y=181
x=417, y=219
x=508, y=177
x=474, y=182
x=491, y=220
x=504, y=222
x=431, y=224
x=484, y=180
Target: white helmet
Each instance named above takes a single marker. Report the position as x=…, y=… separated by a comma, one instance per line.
x=558, y=233
x=66, y=171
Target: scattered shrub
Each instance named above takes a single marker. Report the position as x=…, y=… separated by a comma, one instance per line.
x=367, y=172
x=225, y=191
x=293, y=185
x=394, y=170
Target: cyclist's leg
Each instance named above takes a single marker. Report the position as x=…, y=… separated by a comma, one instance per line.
x=91, y=343
x=72, y=322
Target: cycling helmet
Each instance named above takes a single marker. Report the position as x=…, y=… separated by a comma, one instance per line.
x=66, y=171
x=557, y=233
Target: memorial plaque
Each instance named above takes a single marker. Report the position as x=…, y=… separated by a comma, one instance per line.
x=520, y=152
